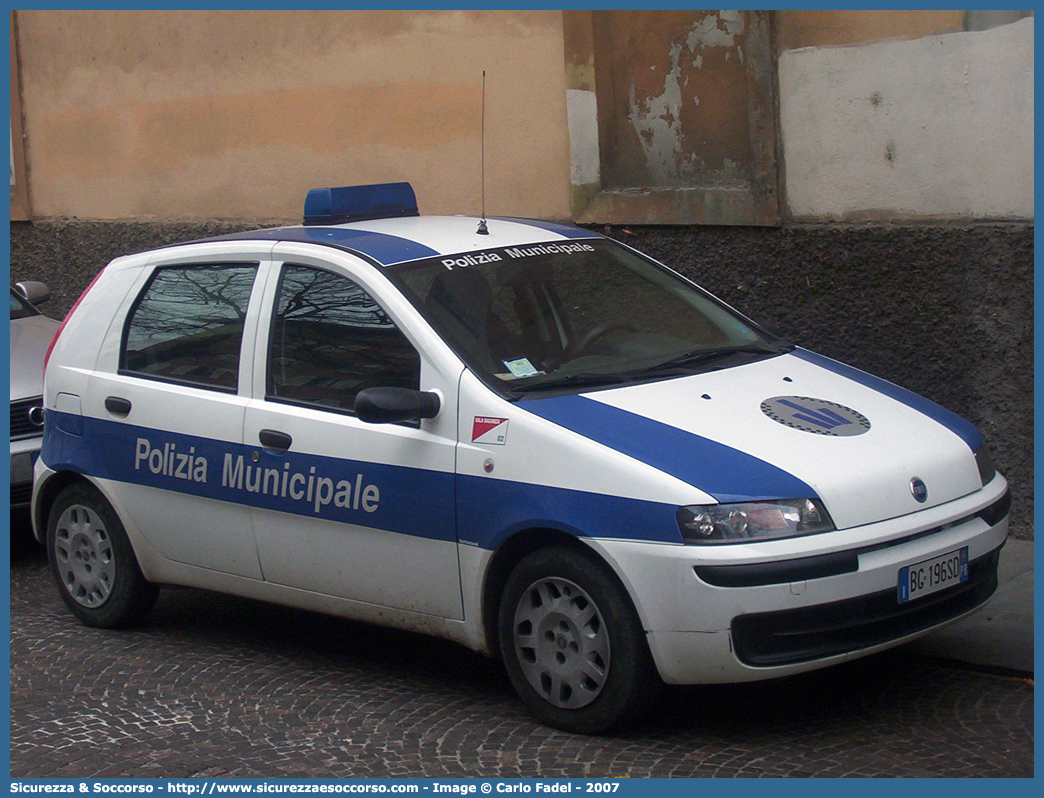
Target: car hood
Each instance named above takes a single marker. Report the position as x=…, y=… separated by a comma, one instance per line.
x=30, y=338
x=792, y=426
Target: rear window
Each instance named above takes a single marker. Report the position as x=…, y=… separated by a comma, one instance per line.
x=187, y=326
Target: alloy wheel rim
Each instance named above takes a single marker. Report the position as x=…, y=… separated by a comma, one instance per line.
x=561, y=642
x=84, y=556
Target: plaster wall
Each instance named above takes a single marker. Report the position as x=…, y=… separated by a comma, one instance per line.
x=234, y=115
x=938, y=127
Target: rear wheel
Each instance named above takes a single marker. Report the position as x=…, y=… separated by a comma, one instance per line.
x=572, y=643
x=92, y=561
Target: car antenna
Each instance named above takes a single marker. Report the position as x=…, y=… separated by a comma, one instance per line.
x=482, y=229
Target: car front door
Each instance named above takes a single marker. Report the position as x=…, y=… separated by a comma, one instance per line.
x=342, y=507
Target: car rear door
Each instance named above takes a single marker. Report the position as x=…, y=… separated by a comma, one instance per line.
x=342, y=507
x=165, y=404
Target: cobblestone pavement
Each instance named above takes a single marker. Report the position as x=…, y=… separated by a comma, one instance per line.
x=214, y=686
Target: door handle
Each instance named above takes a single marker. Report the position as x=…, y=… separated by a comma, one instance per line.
x=275, y=440
x=117, y=405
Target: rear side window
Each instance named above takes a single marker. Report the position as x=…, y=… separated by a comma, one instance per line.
x=330, y=340
x=187, y=326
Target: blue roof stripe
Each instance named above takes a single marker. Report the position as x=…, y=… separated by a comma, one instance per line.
x=565, y=230
x=959, y=426
x=383, y=248
x=727, y=474
x=386, y=249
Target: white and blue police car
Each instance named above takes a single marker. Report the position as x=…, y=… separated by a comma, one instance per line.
x=519, y=435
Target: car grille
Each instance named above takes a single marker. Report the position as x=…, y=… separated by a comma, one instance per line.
x=21, y=426
x=21, y=494
x=809, y=633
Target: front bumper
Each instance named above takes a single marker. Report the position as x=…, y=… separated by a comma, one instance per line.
x=810, y=633
x=752, y=611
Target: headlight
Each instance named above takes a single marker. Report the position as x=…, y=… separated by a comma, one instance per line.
x=727, y=523
x=985, y=463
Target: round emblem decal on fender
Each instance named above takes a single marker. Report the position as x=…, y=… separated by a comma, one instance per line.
x=815, y=415
x=919, y=489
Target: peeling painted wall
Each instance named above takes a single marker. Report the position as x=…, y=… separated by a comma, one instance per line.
x=658, y=119
x=679, y=109
x=937, y=127
x=682, y=105
x=226, y=114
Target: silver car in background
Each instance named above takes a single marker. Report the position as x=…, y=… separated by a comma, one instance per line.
x=31, y=335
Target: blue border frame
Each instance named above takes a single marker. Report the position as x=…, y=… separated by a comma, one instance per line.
x=656, y=787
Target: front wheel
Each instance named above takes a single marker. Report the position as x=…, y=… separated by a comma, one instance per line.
x=92, y=561
x=572, y=643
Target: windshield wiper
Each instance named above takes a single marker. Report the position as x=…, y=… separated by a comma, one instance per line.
x=583, y=379
x=680, y=363
x=701, y=356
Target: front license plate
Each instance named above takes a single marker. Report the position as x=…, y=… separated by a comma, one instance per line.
x=924, y=578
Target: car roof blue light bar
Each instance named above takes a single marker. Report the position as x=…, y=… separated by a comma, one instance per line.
x=327, y=206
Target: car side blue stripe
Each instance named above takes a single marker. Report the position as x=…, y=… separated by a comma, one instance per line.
x=226, y=471
x=408, y=501
x=491, y=510
x=727, y=474
x=959, y=426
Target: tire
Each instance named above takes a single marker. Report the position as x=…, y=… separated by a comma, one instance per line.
x=93, y=563
x=572, y=643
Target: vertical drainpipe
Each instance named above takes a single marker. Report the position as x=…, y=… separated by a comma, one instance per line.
x=783, y=202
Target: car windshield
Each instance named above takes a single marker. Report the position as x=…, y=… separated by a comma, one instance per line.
x=21, y=309
x=570, y=316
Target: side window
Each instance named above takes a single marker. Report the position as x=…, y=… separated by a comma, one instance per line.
x=187, y=326
x=330, y=340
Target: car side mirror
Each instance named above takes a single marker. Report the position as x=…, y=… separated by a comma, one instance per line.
x=395, y=405
x=33, y=291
